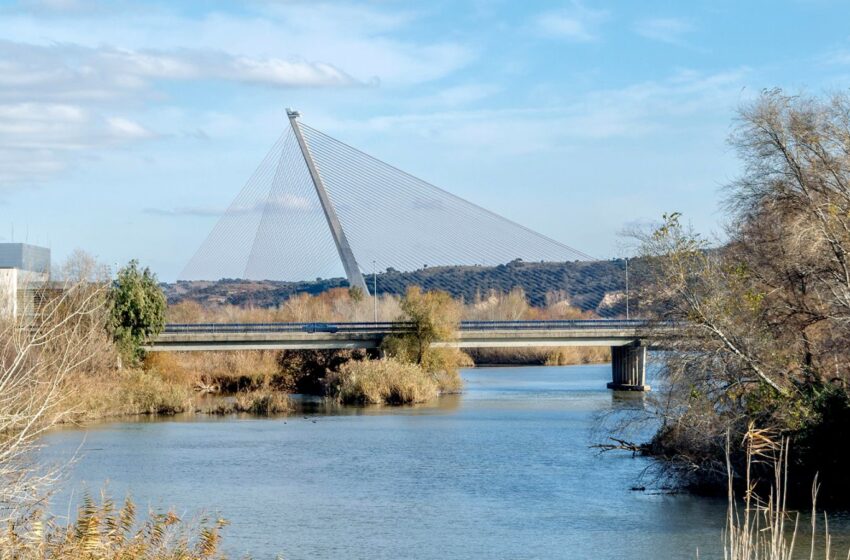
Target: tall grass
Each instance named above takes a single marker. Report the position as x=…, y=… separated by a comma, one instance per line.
x=264, y=402
x=765, y=529
x=216, y=371
x=124, y=393
x=104, y=531
x=385, y=381
x=334, y=305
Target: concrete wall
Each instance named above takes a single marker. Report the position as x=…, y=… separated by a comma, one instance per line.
x=8, y=293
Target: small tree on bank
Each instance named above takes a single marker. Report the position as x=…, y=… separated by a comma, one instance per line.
x=434, y=316
x=137, y=310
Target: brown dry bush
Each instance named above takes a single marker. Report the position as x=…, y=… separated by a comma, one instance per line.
x=263, y=402
x=386, y=381
x=226, y=371
x=126, y=392
x=303, y=371
x=335, y=305
x=573, y=355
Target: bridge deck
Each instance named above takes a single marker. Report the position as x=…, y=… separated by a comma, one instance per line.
x=310, y=336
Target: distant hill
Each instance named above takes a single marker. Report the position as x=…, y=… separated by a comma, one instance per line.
x=589, y=285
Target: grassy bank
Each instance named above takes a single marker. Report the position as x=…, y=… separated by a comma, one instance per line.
x=139, y=392
x=261, y=381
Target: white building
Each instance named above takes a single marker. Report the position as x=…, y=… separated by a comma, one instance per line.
x=8, y=292
x=23, y=268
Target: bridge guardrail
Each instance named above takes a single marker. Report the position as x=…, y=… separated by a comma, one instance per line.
x=366, y=327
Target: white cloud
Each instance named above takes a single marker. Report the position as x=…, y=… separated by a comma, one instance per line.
x=456, y=96
x=362, y=41
x=283, y=203
x=37, y=139
x=201, y=211
x=107, y=71
x=66, y=71
x=840, y=57
x=576, y=23
x=665, y=30
x=635, y=111
x=126, y=128
x=55, y=6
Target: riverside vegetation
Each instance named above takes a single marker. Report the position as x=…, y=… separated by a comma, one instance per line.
x=764, y=318
x=43, y=357
x=119, y=379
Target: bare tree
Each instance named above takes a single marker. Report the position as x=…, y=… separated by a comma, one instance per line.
x=763, y=321
x=49, y=341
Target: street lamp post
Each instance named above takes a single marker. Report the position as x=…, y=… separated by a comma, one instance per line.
x=627, y=288
x=375, y=287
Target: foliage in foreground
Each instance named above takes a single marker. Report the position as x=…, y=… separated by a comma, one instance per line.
x=765, y=529
x=40, y=353
x=763, y=321
x=104, y=532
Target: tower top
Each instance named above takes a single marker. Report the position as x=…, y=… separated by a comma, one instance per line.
x=292, y=113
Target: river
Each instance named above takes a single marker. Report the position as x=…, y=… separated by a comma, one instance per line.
x=503, y=471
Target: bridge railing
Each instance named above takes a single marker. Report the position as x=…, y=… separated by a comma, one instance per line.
x=383, y=327
x=176, y=328
x=553, y=325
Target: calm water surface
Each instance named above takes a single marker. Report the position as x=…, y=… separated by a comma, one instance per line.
x=502, y=471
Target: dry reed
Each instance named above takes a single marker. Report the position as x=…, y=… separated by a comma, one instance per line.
x=104, y=531
x=766, y=529
x=385, y=381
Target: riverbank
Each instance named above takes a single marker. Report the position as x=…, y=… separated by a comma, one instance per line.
x=170, y=383
x=137, y=392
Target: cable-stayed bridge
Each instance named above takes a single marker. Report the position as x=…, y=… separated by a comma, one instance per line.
x=316, y=205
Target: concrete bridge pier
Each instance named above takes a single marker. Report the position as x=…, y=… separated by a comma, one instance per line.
x=628, y=368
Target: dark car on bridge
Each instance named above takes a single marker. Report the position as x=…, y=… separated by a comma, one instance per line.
x=319, y=327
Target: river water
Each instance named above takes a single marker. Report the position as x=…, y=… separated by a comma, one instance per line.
x=503, y=471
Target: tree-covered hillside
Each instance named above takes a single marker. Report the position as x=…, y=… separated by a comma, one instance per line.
x=588, y=285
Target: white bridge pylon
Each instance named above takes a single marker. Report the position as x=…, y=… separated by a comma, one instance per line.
x=316, y=207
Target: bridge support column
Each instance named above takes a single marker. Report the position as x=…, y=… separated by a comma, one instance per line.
x=628, y=368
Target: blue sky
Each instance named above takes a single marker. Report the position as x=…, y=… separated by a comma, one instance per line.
x=126, y=127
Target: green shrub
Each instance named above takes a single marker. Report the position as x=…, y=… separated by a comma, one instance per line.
x=137, y=310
